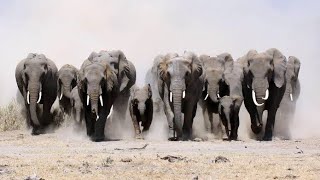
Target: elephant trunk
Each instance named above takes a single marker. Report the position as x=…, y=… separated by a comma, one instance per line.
x=94, y=104
x=66, y=91
x=34, y=97
x=177, y=95
x=78, y=115
x=214, y=95
x=141, y=108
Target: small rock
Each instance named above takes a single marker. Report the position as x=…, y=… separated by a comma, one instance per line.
x=290, y=176
x=126, y=160
x=34, y=177
x=245, y=147
x=173, y=158
x=221, y=159
x=197, y=140
x=195, y=178
x=289, y=169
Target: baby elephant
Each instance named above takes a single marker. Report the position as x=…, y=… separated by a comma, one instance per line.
x=141, y=108
x=229, y=107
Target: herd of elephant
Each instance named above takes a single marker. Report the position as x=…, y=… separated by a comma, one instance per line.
x=104, y=87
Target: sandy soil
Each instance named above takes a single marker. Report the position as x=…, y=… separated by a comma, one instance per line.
x=67, y=156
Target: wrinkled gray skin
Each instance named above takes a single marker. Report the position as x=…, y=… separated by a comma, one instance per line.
x=287, y=107
x=264, y=73
x=126, y=76
x=178, y=83
x=215, y=87
x=229, y=106
x=37, y=75
x=141, y=108
x=77, y=111
x=67, y=80
x=98, y=89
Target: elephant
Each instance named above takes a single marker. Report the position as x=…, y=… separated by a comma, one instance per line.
x=67, y=80
x=178, y=83
x=287, y=107
x=36, y=77
x=229, y=106
x=126, y=76
x=98, y=89
x=141, y=108
x=77, y=111
x=214, y=88
x=263, y=87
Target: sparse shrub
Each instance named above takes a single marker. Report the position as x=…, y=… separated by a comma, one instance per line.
x=11, y=117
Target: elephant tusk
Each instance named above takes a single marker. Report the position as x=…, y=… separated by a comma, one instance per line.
x=206, y=97
x=291, y=98
x=97, y=117
x=255, y=100
x=28, y=97
x=88, y=99
x=218, y=95
x=183, y=94
x=101, y=100
x=267, y=95
x=170, y=96
x=39, y=99
x=61, y=96
x=110, y=112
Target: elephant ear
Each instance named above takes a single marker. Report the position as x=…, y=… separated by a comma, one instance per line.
x=279, y=66
x=123, y=70
x=93, y=55
x=228, y=61
x=111, y=78
x=296, y=64
x=196, y=65
x=163, y=68
x=245, y=60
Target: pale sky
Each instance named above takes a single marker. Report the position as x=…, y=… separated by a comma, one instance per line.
x=68, y=31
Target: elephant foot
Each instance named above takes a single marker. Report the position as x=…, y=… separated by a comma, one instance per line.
x=139, y=137
x=173, y=139
x=97, y=139
x=267, y=136
x=256, y=129
x=37, y=131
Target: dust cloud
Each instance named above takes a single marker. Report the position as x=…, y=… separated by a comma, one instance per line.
x=68, y=31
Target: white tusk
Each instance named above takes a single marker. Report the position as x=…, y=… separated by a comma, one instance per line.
x=111, y=109
x=61, y=96
x=97, y=117
x=39, y=99
x=255, y=100
x=267, y=95
x=291, y=98
x=170, y=96
x=183, y=94
x=28, y=97
x=206, y=97
x=88, y=99
x=101, y=100
x=218, y=95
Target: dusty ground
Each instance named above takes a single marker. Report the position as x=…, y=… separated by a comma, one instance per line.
x=66, y=156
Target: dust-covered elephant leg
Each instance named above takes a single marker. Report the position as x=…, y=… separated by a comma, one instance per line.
x=120, y=107
x=99, y=127
x=188, y=121
x=270, y=125
x=89, y=124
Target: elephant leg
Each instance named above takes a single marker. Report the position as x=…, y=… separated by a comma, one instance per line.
x=136, y=127
x=89, y=124
x=234, y=127
x=210, y=118
x=99, y=127
x=120, y=107
x=188, y=121
x=270, y=125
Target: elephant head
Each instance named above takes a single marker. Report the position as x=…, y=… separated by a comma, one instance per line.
x=95, y=81
x=67, y=80
x=35, y=72
x=140, y=96
x=178, y=73
x=263, y=69
x=292, y=73
x=215, y=86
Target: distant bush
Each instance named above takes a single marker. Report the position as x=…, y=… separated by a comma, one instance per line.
x=11, y=117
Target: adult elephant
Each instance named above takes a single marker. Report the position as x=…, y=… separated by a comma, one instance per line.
x=178, y=83
x=126, y=76
x=263, y=87
x=287, y=107
x=36, y=77
x=215, y=87
x=98, y=89
x=67, y=80
x=229, y=106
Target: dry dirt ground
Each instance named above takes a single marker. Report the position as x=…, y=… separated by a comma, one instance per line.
x=67, y=156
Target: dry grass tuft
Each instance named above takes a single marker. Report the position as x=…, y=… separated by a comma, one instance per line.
x=11, y=117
